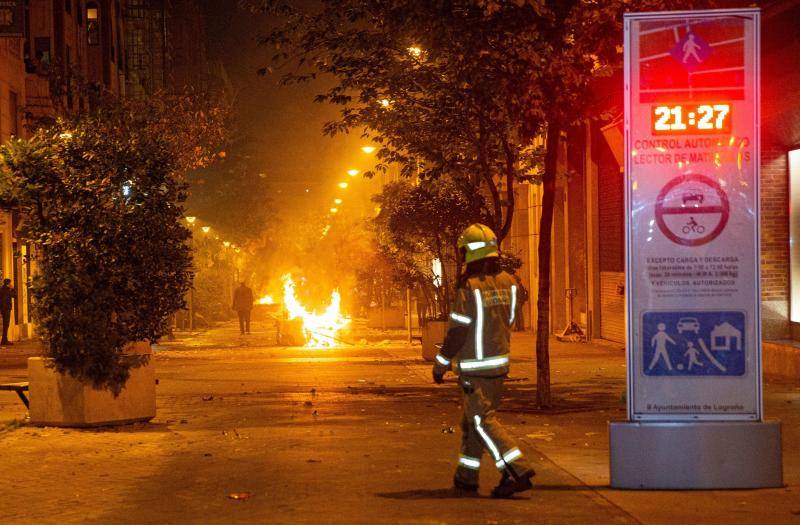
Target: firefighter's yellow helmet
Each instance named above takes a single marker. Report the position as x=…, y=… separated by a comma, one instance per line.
x=478, y=242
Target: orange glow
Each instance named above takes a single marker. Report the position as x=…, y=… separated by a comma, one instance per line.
x=267, y=299
x=368, y=149
x=337, y=201
x=343, y=185
x=352, y=173
x=321, y=330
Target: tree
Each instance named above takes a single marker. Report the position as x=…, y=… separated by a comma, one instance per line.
x=101, y=195
x=440, y=85
x=421, y=223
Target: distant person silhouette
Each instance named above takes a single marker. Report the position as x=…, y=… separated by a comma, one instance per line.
x=7, y=297
x=243, y=304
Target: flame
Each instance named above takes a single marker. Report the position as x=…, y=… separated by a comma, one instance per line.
x=320, y=329
x=267, y=299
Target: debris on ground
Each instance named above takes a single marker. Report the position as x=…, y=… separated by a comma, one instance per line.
x=208, y=398
x=542, y=434
x=240, y=495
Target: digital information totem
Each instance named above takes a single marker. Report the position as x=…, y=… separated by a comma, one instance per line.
x=692, y=264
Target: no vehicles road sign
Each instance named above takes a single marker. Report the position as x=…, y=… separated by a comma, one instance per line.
x=692, y=210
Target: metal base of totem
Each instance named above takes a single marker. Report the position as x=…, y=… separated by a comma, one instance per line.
x=686, y=455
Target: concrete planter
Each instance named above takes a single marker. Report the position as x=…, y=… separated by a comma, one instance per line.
x=62, y=401
x=433, y=333
x=386, y=318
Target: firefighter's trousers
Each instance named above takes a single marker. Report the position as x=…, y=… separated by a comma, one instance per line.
x=481, y=431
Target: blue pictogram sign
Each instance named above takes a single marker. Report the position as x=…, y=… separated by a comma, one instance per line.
x=693, y=343
x=691, y=51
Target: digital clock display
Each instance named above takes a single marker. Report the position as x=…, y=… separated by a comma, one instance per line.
x=691, y=120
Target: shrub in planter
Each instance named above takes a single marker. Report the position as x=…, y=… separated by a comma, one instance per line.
x=101, y=195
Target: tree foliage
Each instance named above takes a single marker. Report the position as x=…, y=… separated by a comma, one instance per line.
x=442, y=87
x=101, y=197
x=421, y=223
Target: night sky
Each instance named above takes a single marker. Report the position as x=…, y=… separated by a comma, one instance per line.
x=281, y=126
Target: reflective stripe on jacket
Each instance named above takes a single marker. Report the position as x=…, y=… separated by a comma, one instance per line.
x=486, y=306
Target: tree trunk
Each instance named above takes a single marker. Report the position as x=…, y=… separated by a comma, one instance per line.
x=510, y=174
x=543, y=397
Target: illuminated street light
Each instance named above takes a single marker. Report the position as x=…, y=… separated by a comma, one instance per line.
x=385, y=102
x=337, y=201
x=237, y=250
x=415, y=51
x=226, y=244
x=334, y=210
x=191, y=220
x=368, y=149
x=352, y=173
x=343, y=185
x=206, y=229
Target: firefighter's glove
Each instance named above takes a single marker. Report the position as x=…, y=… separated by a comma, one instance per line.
x=439, y=371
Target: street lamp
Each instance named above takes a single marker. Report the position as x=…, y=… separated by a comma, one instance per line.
x=385, y=102
x=337, y=201
x=334, y=210
x=343, y=185
x=206, y=229
x=226, y=244
x=352, y=173
x=368, y=149
x=415, y=51
x=191, y=219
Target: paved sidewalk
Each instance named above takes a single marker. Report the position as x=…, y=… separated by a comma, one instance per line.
x=348, y=435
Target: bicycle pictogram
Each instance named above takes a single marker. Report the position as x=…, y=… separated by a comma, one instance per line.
x=693, y=227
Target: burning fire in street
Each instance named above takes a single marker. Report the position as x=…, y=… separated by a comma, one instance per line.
x=321, y=330
x=267, y=299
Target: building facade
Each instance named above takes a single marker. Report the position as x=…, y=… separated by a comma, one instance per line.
x=53, y=55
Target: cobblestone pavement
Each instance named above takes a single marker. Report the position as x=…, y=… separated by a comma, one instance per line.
x=353, y=435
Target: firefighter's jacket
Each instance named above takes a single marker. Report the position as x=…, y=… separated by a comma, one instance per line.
x=479, y=329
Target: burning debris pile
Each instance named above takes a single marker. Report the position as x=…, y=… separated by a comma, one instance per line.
x=320, y=330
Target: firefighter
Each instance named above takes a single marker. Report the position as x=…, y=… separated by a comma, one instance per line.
x=476, y=347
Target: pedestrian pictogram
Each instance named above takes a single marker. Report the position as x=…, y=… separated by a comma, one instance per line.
x=691, y=51
x=693, y=343
x=692, y=210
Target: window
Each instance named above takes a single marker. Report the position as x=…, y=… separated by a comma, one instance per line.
x=794, y=234
x=92, y=24
x=41, y=45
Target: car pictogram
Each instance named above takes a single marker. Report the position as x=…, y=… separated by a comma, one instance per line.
x=688, y=324
x=692, y=197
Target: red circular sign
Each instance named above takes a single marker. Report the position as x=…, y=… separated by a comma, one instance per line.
x=692, y=203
